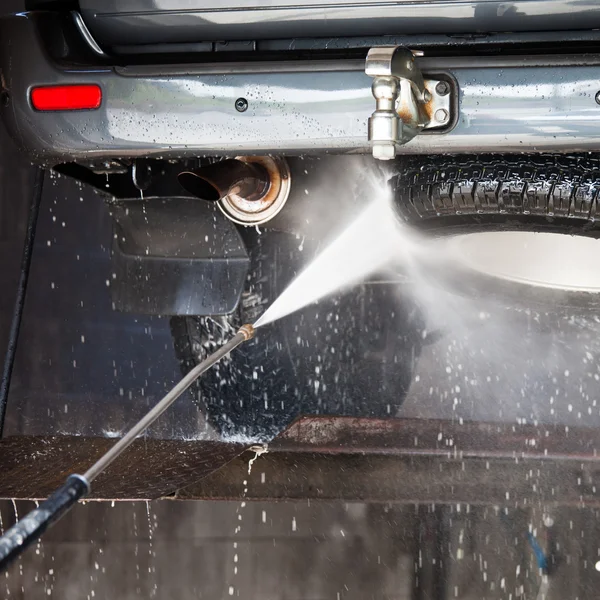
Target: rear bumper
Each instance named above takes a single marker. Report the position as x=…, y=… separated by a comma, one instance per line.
x=515, y=104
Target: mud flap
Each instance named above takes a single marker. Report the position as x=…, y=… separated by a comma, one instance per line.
x=175, y=256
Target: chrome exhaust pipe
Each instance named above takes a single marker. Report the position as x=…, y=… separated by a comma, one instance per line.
x=249, y=190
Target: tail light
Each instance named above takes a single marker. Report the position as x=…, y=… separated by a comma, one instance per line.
x=66, y=97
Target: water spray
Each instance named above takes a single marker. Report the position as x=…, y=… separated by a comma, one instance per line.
x=32, y=526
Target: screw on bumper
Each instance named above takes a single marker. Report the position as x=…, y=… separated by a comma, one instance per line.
x=405, y=102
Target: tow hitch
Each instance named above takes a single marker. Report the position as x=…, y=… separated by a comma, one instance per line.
x=405, y=103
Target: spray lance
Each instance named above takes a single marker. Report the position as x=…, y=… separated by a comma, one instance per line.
x=31, y=527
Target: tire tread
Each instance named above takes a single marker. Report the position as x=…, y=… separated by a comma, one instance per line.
x=546, y=185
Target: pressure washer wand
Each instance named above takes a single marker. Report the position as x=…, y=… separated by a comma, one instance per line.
x=31, y=527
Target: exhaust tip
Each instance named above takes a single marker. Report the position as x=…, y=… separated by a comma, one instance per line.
x=246, y=211
x=198, y=186
x=249, y=190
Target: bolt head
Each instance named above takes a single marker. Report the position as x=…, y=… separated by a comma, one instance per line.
x=442, y=88
x=441, y=115
x=597, y=97
x=384, y=151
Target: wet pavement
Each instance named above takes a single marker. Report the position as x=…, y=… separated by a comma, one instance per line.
x=314, y=551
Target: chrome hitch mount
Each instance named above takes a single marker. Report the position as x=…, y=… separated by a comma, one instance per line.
x=405, y=102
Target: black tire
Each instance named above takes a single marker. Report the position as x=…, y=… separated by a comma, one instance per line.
x=352, y=354
x=449, y=195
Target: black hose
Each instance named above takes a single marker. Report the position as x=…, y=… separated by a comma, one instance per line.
x=13, y=336
x=26, y=531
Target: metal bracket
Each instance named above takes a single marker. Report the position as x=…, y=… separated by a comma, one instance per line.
x=405, y=103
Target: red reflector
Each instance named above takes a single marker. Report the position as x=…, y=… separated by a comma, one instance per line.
x=66, y=97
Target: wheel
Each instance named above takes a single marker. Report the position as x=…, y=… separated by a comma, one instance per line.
x=494, y=204
x=352, y=354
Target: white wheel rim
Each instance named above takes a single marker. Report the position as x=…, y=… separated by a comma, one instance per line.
x=547, y=260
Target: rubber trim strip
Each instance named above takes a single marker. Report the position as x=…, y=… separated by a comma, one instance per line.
x=298, y=66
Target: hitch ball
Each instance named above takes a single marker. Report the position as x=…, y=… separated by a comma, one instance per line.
x=397, y=80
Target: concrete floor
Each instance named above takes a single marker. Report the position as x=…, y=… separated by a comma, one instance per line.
x=217, y=550
x=294, y=551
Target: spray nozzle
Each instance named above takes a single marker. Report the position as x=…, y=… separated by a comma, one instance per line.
x=247, y=331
